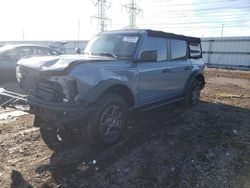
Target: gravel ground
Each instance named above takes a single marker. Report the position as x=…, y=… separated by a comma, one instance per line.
x=207, y=145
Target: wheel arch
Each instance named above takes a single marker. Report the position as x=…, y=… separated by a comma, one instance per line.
x=195, y=75
x=109, y=86
x=123, y=91
x=201, y=78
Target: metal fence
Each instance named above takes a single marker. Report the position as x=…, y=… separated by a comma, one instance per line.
x=227, y=52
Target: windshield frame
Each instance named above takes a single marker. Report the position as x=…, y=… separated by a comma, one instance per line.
x=118, y=56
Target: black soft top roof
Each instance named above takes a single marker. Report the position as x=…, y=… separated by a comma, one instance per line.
x=154, y=33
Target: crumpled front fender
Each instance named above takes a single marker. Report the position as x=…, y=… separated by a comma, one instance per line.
x=94, y=79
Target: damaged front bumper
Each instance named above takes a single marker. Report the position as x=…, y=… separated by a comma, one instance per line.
x=59, y=112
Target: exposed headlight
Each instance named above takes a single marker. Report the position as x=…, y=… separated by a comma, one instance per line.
x=19, y=74
x=68, y=84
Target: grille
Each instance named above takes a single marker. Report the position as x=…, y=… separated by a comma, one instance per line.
x=49, y=91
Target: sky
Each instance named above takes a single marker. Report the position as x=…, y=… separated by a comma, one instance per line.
x=60, y=19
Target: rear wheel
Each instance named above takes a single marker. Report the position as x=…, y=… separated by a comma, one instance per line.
x=108, y=121
x=192, y=95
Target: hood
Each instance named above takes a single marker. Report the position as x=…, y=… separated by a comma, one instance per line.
x=59, y=63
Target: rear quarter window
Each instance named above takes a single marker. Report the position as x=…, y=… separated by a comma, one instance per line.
x=195, y=50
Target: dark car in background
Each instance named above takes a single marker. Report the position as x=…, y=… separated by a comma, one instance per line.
x=10, y=54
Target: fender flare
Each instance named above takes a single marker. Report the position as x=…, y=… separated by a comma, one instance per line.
x=191, y=78
x=96, y=92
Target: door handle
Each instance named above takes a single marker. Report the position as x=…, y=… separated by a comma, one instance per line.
x=166, y=70
x=187, y=68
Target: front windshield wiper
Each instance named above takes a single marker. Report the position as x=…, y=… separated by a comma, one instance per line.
x=105, y=54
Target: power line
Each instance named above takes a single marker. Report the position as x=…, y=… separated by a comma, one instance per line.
x=133, y=10
x=193, y=27
x=210, y=9
x=205, y=22
x=215, y=15
x=102, y=6
x=205, y=19
x=192, y=4
x=209, y=16
x=206, y=14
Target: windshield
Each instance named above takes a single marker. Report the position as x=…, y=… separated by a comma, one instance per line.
x=116, y=45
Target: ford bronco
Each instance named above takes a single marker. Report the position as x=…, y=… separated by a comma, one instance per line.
x=120, y=71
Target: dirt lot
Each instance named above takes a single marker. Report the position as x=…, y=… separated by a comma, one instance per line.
x=207, y=145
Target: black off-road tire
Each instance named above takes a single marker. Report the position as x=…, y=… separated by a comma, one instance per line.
x=192, y=94
x=95, y=130
x=53, y=137
x=37, y=121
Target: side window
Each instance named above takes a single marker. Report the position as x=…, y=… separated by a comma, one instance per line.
x=178, y=49
x=159, y=44
x=25, y=52
x=19, y=53
x=42, y=51
x=12, y=54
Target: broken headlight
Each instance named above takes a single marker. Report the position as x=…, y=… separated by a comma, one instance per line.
x=69, y=86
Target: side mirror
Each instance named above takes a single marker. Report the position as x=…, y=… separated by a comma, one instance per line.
x=148, y=56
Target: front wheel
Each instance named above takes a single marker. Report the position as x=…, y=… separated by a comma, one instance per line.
x=108, y=121
x=52, y=136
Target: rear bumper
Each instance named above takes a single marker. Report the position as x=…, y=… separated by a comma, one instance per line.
x=71, y=113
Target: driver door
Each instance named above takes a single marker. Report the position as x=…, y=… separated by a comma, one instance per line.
x=154, y=83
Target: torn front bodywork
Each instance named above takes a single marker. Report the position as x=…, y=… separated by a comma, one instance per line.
x=51, y=111
x=60, y=112
x=74, y=78
x=63, y=89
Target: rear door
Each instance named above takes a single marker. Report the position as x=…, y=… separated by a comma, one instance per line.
x=181, y=67
x=154, y=83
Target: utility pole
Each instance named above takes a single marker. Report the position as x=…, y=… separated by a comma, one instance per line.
x=133, y=10
x=78, y=33
x=222, y=28
x=23, y=35
x=102, y=6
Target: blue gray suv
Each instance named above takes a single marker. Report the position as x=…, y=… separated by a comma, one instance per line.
x=120, y=71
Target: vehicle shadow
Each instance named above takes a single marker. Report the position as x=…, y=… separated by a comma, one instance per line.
x=18, y=180
x=170, y=143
